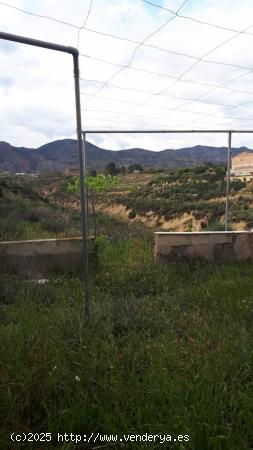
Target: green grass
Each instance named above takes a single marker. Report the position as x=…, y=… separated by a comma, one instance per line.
x=168, y=349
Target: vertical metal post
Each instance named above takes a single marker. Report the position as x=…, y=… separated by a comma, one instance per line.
x=228, y=180
x=83, y=188
x=86, y=187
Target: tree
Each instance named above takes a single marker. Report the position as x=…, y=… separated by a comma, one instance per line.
x=134, y=167
x=111, y=169
x=122, y=170
x=92, y=172
x=95, y=185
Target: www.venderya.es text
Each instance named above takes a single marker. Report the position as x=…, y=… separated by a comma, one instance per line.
x=99, y=437
x=146, y=437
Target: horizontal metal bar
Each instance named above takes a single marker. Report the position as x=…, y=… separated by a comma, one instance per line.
x=37, y=43
x=162, y=131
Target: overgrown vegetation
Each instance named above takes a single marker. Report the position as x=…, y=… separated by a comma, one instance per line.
x=167, y=350
x=24, y=214
x=44, y=208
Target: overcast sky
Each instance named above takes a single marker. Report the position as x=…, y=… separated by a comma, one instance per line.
x=175, y=79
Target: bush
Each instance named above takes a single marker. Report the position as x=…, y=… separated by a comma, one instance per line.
x=37, y=214
x=131, y=214
x=134, y=167
x=237, y=185
x=215, y=225
x=56, y=222
x=52, y=221
x=11, y=230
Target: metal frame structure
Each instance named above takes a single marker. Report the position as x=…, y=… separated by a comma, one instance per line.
x=81, y=141
x=81, y=150
x=228, y=132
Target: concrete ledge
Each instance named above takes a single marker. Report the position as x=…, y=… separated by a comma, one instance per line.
x=209, y=245
x=40, y=256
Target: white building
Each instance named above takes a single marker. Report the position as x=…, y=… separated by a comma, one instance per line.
x=242, y=165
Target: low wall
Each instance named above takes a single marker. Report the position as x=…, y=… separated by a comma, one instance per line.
x=213, y=245
x=40, y=256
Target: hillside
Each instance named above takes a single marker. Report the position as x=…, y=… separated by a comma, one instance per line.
x=185, y=199
x=62, y=154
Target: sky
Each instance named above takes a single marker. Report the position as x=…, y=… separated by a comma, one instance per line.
x=155, y=64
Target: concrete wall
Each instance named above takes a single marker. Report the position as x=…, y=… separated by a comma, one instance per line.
x=37, y=257
x=213, y=245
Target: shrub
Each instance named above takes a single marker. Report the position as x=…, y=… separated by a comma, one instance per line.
x=56, y=222
x=131, y=214
x=237, y=185
x=134, y=167
x=11, y=229
x=215, y=225
x=37, y=214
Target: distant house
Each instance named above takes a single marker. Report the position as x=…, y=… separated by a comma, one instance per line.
x=242, y=165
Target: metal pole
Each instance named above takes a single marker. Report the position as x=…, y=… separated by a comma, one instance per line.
x=228, y=180
x=38, y=43
x=85, y=228
x=81, y=150
x=109, y=131
x=83, y=189
x=86, y=189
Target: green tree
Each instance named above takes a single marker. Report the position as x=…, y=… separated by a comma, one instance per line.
x=96, y=185
x=92, y=172
x=111, y=169
x=134, y=167
x=122, y=170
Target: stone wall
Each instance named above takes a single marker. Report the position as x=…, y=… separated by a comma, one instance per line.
x=38, y=257
x=213, y=245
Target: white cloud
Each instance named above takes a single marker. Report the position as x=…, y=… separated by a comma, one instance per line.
x=36, y=86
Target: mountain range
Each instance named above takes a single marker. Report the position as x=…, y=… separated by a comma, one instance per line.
x=62, y=154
